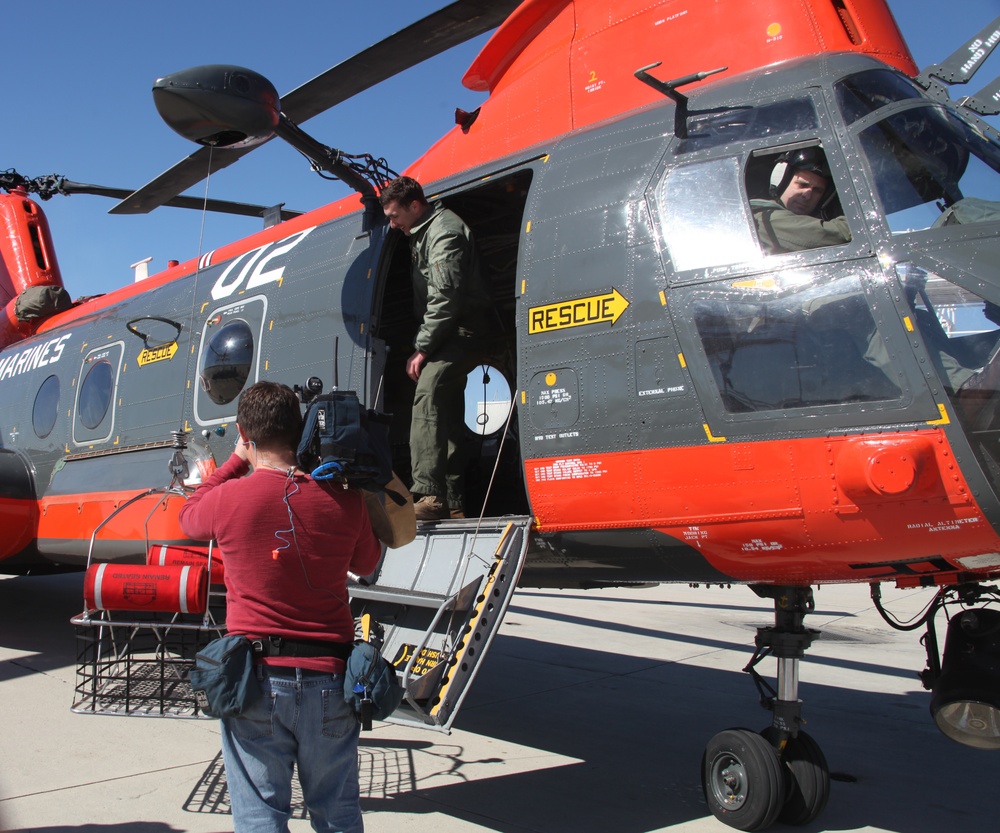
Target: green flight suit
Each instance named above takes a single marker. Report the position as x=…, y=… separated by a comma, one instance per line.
x=781, y=230
x=450, y=300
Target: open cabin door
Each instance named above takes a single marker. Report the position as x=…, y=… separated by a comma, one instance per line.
x=437, y=603
x=493, y=472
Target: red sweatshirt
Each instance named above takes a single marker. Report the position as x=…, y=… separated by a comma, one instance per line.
x=287, y=544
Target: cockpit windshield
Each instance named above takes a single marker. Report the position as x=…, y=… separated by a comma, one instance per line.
x=864, y=93
x=932, y=169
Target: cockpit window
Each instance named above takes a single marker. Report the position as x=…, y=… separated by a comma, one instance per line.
x=931, y=169
x=704, y=217
x=782, y=342
x=794, y=200
x=866, y=92
x=711, y=128
x=961, y=331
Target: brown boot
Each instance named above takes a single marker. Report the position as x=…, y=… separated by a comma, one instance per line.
x=430, y=508
x=456, y=513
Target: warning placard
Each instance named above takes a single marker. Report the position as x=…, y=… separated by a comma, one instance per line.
x=428, y=658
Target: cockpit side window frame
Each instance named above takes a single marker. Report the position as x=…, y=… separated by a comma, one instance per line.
x=755, y=261
x=891, y=219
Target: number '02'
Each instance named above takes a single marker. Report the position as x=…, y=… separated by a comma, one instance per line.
x=254, y=264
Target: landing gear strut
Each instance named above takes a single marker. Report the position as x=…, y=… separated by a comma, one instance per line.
x=753, y=779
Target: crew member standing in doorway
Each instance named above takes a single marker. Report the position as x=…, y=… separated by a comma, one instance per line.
x=450, y=301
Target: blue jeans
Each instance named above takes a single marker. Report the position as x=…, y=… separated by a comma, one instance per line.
x=301, y=718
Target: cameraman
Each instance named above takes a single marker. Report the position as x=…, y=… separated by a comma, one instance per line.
x=287, y=542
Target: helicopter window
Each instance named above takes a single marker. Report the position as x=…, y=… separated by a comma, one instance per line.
x=795, y=209
x=226, y=362
x=932, y=169
x=95, y=393
x=961, y=332
x=866, y=92
x=44, y=412
x=704, y=216
x=783, y=343
x=710, y=129
x=487, y=400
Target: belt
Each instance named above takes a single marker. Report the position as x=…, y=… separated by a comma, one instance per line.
x=277, y=646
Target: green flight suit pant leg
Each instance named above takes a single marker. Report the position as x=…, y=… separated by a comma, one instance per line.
x=436, y=426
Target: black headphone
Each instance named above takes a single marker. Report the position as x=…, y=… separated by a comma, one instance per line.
x=803, y=159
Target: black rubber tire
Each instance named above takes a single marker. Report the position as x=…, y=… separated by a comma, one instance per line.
x=808, y=778
x=743, y=780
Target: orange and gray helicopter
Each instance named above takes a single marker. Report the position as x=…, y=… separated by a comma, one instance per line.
x=691, y=401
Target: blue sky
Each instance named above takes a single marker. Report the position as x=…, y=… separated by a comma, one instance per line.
x=77, y=103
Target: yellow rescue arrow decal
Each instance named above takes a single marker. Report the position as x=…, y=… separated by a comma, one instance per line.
x=157, y=354
x=597, y=309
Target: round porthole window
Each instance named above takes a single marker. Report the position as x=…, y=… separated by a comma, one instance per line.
x=43, y=414
x=226, y=362
x=95, y=393
x=487, y=400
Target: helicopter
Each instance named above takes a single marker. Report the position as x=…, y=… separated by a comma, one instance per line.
x=685, y=404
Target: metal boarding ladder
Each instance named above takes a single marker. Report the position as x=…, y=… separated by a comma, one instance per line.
x=437, y=603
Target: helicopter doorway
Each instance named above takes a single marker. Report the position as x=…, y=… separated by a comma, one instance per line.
x=494, y=484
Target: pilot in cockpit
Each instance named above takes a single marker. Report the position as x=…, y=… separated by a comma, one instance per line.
x=792, y=220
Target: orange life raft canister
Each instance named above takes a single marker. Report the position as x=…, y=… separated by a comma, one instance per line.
x=177, y=588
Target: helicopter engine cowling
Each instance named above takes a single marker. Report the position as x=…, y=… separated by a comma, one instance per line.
x=27, y=263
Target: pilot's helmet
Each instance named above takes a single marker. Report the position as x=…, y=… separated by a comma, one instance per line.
x=804, y=159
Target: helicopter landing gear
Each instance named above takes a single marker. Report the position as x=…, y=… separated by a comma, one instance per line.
x=743, y=780
x=751, y=780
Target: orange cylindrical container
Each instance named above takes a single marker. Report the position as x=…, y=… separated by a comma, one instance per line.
x=165, y=554
x=175, y=588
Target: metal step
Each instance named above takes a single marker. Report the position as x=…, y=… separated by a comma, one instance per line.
x=437, y=603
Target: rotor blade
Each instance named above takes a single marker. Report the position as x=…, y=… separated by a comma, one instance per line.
x=434, y=34
x=179, y=178
x=69, y=187
x=964, y=62
x=986, y=102
x=454, y=24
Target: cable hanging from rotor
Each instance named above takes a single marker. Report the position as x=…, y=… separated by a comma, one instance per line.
x=375, y=171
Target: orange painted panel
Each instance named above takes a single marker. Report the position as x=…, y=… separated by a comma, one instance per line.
x=793, y=510
x=17, y=520
x=75, y=517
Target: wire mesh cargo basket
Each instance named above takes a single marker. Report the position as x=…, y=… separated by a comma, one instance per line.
x=138, y=666
x=143, y=624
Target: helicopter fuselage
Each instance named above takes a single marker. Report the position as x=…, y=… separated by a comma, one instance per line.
x=688, y=407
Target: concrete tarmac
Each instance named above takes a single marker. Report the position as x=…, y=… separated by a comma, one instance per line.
x=590, y=716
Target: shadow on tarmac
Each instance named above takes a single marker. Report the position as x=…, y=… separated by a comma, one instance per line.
x=34, y=618
x=618, y=738
x=126, y=827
